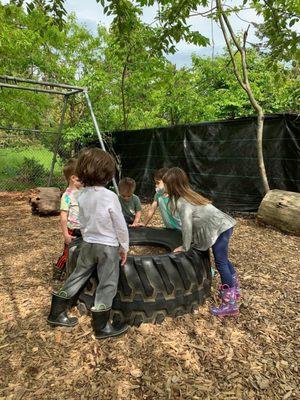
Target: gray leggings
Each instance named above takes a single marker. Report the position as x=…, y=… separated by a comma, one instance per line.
x=106, y=260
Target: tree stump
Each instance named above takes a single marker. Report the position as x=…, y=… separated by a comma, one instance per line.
x=281, y=209
x=45, y=201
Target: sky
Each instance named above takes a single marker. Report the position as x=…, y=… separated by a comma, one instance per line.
x=89, y=13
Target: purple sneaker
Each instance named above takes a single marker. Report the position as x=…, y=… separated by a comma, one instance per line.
x=229, y=307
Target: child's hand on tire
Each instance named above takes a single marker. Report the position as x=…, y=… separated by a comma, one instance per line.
x=136, y=225
x=178, y=249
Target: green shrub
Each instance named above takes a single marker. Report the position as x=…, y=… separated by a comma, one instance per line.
x=30, y=171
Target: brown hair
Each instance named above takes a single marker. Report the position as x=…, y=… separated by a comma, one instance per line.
x=177, y=185
x=127, y=185
x=70, y=168
x=158, y=175
x=95, y=167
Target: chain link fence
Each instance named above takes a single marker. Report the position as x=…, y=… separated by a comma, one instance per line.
x=30, y=158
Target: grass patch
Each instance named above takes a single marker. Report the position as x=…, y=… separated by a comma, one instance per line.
x=16, y=163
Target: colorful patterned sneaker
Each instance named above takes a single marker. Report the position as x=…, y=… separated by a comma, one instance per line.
x=229, y=307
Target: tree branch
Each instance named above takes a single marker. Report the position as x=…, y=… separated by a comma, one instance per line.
x=205, y=13
x=223, y=28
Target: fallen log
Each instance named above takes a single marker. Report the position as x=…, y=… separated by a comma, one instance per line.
x=45, y=201
x=281, y=209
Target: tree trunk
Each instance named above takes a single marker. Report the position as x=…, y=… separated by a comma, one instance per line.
x=245, y=84
x=123, y=99
x=281, y=209
x=260, y=154
x=124, y=110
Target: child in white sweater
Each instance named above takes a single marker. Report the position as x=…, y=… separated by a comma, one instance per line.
x=105, y=238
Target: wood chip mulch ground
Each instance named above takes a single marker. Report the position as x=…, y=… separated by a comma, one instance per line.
x=192, y=357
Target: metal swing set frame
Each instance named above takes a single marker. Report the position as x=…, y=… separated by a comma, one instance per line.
x=61, y=89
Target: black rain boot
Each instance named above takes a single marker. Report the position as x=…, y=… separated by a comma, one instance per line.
x=72, y=301
x=103, y=328
x=58, y=314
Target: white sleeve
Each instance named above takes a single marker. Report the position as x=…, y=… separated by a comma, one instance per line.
x=185, y=211
x=119, y=223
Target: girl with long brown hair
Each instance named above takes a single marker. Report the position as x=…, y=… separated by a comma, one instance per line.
x=204, y=226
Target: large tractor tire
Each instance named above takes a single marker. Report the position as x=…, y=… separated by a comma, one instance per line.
x=152, y=287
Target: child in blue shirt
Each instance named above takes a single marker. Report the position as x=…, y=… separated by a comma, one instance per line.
x=161, y=200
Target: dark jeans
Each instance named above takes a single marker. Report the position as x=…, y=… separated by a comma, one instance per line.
x=220, y=252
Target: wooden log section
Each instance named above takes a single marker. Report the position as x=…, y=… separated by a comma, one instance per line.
x=45, y=201
x=281, y=209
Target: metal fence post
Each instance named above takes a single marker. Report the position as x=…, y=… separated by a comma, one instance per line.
x=59, y=135
x=98, y=131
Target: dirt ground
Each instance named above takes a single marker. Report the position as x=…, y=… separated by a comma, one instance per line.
x=192, y=357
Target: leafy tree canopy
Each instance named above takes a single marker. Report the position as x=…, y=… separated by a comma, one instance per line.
x=131, y=83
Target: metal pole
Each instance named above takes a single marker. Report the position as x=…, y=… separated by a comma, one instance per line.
x=98, y=131
x=51, y=84
x=7, y=128
x=59, y=134
x=30, y=89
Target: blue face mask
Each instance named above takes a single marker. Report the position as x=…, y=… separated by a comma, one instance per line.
x=160, y=191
